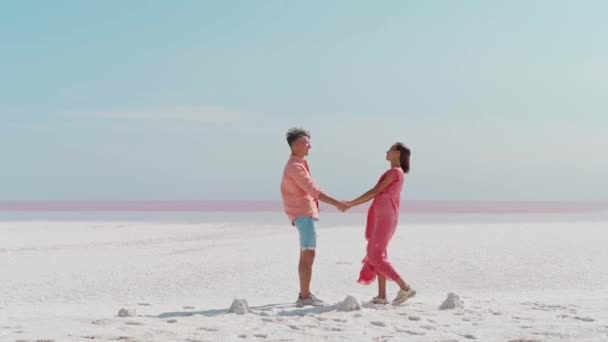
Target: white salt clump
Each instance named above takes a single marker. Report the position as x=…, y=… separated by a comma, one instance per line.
x=350, y=304
x=239, y=307
x=126, y=312
x=452, y=302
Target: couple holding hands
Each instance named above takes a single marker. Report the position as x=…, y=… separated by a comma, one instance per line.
x=301, y=196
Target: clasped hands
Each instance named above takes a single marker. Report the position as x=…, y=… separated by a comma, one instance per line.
x=344, y=205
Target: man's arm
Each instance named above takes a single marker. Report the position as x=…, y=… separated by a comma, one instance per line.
x=342, y=206
x=304, y=181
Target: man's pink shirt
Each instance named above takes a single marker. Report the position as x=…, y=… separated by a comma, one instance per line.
x=299, y=191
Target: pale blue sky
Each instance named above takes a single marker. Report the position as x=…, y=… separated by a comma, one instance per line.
x=498, y=100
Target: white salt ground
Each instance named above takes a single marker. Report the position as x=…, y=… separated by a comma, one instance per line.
x=66, y=281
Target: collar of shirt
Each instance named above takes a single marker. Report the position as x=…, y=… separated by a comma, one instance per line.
x=296, y=159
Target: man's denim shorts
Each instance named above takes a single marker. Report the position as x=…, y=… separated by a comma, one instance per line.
x=307, y=227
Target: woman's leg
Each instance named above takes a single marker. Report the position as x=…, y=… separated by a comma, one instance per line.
x=381, y=287
x=376, y=249
x=368, y=274
x=402, y=284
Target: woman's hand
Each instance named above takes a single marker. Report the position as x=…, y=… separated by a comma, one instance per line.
x=342, y=206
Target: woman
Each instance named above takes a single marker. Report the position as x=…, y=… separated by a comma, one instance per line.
x=382, y=219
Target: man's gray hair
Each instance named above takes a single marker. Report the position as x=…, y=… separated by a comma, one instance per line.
x=295, y=133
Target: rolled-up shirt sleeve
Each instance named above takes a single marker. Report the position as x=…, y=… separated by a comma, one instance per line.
x=303, y=180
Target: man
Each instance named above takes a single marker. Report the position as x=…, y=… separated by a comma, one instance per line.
x=301, y=196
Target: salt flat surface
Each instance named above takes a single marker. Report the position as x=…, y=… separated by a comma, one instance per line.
x=67, y=280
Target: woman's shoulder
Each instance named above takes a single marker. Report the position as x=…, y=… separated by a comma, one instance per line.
x=397, y=171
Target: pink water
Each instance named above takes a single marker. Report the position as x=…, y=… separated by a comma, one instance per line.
x=409, y=206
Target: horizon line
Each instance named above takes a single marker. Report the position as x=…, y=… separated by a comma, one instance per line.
x=407, y=206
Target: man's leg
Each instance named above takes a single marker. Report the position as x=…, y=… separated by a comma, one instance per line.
x=307, y=258
x=308, y=243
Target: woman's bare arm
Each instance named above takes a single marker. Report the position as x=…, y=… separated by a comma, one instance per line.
x=374, y=191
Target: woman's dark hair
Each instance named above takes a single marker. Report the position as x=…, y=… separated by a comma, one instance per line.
x=295, y=133
x=405, y=156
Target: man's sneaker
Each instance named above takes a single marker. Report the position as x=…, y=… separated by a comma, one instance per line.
x=378, y=300
x=402, y=296
x=310, y=300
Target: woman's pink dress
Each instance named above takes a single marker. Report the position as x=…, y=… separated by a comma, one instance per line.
x=382, y=218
